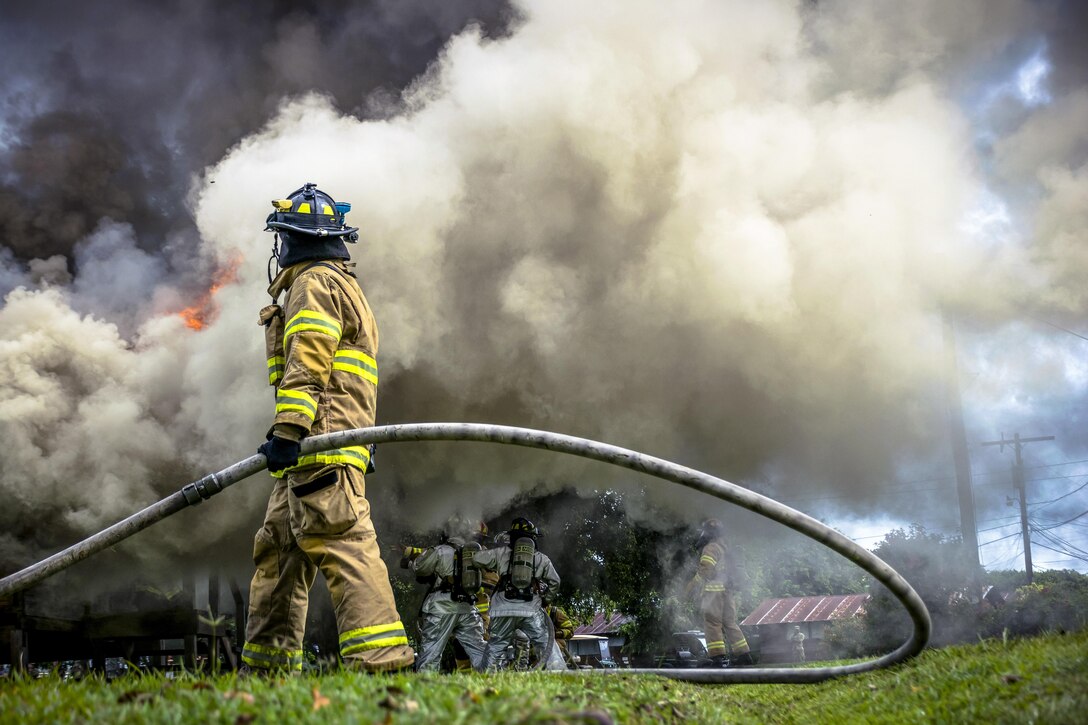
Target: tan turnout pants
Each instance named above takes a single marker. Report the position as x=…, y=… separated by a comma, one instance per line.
x=720, y=620
x=320, y=519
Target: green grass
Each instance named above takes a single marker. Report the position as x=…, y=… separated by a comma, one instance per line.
x=1041, y=680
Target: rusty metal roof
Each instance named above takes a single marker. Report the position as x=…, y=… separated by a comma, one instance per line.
x=604, y=625
x=806, y=609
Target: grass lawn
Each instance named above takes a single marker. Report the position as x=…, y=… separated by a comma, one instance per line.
x=1041, y=680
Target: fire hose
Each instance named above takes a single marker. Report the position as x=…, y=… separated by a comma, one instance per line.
x=206, y=487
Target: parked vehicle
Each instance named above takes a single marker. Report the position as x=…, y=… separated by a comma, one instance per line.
x=685, y=649
x=591, y=651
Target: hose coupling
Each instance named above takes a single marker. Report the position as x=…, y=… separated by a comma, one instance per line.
x=200, y=490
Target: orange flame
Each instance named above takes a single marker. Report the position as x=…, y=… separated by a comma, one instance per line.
x=197, y=316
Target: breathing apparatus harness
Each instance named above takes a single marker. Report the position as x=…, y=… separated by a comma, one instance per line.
x=465, y=581
x=517, y=582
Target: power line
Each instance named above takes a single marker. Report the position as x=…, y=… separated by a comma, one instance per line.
x=1050, y=465
x=1031, y=480
x=1058, y=561
x=1059, y=551
x=1054, y=500
x=995, y=528
x=1057, y=327
x=1055, y=478
x=1058, y=541
x=1063, y=523
x=1016, y=555
x=999, y=518
x=994, y=541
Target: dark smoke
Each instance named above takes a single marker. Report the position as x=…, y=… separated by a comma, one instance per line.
x=117, y=106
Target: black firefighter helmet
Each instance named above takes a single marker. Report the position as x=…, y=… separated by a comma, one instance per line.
x=309, y=224
x=522, y=526
x=709, y=530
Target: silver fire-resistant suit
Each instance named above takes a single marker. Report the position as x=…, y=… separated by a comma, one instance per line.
x=443, y=617
x=509, y=615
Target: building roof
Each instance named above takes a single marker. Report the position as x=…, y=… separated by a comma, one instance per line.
x=792, y=610
x=604, y=625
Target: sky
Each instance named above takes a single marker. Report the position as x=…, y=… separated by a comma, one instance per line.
x=723, y=233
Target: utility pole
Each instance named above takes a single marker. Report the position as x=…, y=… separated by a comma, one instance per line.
x=1017, y=444
x=959, y=450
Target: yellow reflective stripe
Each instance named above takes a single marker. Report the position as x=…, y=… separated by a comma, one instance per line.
x=374, y=644
x=481, y=608
x=267, y=657
x=275, y=368
x=296, y=400
x=358, y=456
x=303, y=208
x=357, y=363
x=372, y=630
x=367, y=638
x=708, y=560
x=326, y=209
x=714, y=588
x=312, y=320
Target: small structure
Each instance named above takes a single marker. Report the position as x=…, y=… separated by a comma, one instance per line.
x=604, y=625
x=165, y=628
x=773, y=622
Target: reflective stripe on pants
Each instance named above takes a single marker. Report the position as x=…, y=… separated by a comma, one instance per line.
x=720, y=624
x=328, y=530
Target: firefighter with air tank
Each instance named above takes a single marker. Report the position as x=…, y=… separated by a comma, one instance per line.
x=710, y=585
x=488, y=581
x=449, y=609
x=527, y=580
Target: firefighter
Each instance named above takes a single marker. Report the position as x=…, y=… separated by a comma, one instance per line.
x=489, y=580
x=527, y=581
x=715, y=600
x=321, y=348
x=449, y=610
x=564, y=630
x=797, y=637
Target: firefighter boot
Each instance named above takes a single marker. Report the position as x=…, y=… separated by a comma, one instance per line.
x=719, y=661
x=744, y=659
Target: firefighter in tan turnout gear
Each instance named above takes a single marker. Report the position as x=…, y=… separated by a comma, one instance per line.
x=527, y=580
x=449, y=610
x=321, y=345
x=719, y=611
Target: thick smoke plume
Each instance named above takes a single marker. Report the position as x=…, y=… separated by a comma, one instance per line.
x=722, y=233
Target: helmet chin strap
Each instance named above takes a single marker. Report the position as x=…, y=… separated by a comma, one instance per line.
x=274, y=258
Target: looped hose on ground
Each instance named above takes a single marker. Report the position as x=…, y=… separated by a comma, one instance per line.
x=197, y=491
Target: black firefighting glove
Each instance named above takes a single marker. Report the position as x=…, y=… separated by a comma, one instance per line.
x=280, y=453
